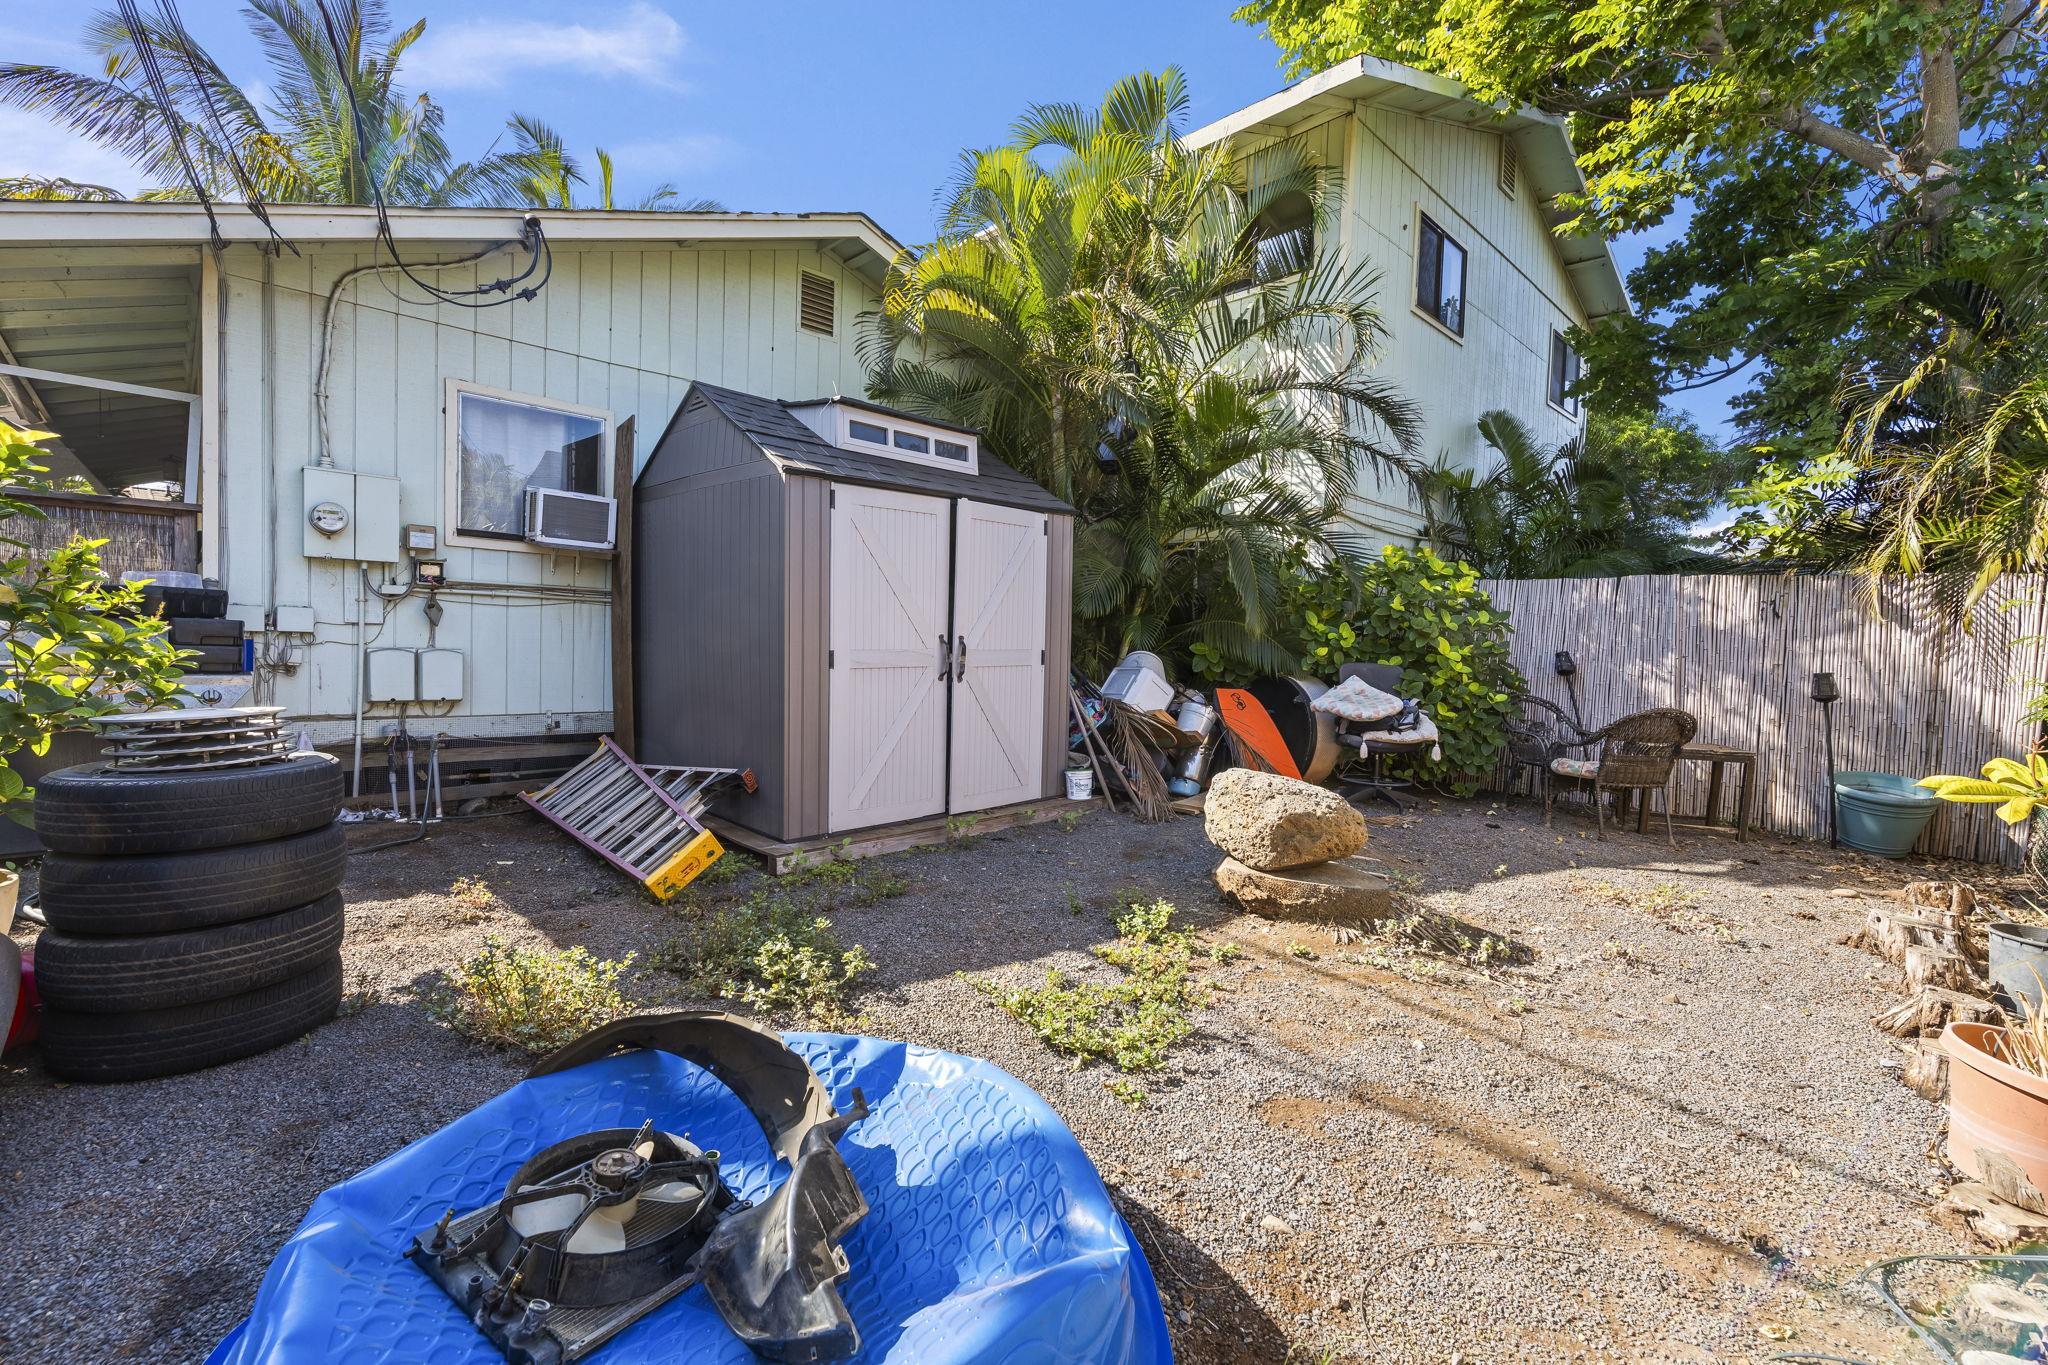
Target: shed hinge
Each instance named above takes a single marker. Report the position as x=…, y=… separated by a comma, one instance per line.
x=831, y=658
x=1041, y=656
x=831, y=497
x=1045, y=528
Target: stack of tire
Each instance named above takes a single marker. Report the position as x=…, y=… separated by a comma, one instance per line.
x=194, y=917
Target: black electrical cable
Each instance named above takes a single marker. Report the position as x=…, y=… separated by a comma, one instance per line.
x=540, y=253
x=174, y=27
x=145, y=54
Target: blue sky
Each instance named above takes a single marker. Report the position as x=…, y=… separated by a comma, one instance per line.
x=773, y=105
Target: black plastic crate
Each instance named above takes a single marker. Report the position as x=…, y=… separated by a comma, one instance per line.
x=201, y=603
x=196, y=633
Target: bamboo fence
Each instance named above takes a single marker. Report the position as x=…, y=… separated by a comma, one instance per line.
x=1920, y=695
x=142, y=535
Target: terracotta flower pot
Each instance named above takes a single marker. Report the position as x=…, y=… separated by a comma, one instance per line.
x=10, y=887
x=1997, y=1115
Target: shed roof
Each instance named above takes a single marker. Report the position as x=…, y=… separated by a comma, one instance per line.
x=797, y=449
x=1540, y=140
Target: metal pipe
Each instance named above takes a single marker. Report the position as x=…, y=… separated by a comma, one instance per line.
x=412, y=796
x=391, y=771
x=434, y=774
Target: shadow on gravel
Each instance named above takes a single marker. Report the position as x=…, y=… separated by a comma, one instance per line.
x=1225, y=1325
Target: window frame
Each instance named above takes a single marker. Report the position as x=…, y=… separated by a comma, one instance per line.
x=1425, y=223
x=451, y=463
x=1559, y=395
x=1308, y=228
x=846, y=415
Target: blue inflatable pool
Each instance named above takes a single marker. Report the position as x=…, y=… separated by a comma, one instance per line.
x=989, y=1237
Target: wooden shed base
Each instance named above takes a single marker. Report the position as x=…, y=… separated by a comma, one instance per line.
x=868, y=843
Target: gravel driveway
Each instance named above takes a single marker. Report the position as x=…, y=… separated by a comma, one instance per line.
x=1667, y=1136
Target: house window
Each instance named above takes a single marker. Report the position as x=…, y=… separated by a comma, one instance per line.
x=1440, y=277
x=508, y=444
x=1283, y=237
x=1564, y=373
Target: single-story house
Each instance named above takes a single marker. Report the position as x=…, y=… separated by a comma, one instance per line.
x=407, y=497
x=1453, y=202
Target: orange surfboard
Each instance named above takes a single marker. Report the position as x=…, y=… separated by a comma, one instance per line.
x=1258, y=739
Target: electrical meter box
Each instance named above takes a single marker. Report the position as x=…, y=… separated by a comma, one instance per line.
x=391, y=675
x=351, y=516
x=440, y=675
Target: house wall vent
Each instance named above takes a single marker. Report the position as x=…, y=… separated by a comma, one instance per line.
x=1510, y=165
x=576, y=521
x=816, y=300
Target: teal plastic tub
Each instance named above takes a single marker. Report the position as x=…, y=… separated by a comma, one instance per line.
x=1881, y=813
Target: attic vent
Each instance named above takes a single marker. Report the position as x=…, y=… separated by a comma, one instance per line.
x=816, y=296
x=1510, y=166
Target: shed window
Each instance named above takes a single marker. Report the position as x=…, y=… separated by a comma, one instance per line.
x=1440, y=277
x=950, y=450
x=910, y=440
x=508, y=445
x=1564, y=373
x=868, y=431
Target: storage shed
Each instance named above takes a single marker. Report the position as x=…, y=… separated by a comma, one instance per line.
x=861, y=605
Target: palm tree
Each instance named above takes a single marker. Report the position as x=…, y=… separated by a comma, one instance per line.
x=313, y=143
x=1107, y=306
x=552, y=185
x=1574, y=511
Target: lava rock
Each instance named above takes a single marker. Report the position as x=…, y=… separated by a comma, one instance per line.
x=1330, y=891
x=1272, y=823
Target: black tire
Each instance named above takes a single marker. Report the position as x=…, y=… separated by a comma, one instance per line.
x=97, y=809
x=157, y=971
x=146, y=1043
x=162, y=893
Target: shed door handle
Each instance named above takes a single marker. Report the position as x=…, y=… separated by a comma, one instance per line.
x=960, y=658
x=945, y=657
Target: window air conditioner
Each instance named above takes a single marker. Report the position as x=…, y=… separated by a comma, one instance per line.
x=576, y=521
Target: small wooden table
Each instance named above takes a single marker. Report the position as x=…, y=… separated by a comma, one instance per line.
x=1719, y=756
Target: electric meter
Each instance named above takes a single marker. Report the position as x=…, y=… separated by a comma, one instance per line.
x=328, y=518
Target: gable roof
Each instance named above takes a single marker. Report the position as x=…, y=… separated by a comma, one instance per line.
x=1544, y=149
x=796, y=449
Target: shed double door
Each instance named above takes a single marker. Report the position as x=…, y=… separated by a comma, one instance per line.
x=936, y=700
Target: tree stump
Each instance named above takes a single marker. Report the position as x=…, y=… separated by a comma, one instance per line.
x=1930, y=966
x=1932, y=1010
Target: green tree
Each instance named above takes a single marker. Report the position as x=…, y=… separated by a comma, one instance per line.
x=299, y=144
x=1807, y=141
x=74, y=648
x=553, y=182
x=1591, y=507
x=1119, y=316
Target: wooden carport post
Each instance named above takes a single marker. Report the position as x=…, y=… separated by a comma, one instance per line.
x=625, y=733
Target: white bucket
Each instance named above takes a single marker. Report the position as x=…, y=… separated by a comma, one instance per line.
x=1080, y=784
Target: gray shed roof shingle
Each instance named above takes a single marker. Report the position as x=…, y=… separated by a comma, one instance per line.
x=772, y=427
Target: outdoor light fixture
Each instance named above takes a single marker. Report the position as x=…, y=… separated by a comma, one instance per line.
x=1827, y=694
x=1568, y=668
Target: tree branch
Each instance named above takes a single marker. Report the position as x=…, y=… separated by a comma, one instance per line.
x=1810, y=127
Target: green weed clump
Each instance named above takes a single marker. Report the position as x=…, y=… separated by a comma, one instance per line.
x=535, y=999
x=776, y=954
x=1134, y=1023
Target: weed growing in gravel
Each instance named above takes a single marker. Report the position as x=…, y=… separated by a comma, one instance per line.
x=1070, y=820
x=1129, y=1091
x=844, y=879
x=362, y=993
x=1666, y=902
x=473, y=893
x=1425, y=946
x=775, y=953
x=960, y=829
x=531, y=998
x=1134, y=1023
x=728, y=868
x=1075, y=905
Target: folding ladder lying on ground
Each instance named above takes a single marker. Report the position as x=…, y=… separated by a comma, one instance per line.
x=647, y=821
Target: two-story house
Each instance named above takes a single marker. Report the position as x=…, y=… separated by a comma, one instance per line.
x=1454, y=203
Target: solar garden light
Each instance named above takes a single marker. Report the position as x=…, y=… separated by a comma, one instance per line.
x=1827, y=694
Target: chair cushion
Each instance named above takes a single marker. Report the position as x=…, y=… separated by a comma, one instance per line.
x=1575, y=767
x=1355, y=699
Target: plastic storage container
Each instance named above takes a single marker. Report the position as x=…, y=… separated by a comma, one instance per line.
x=1881, y=813
x=1140, y=681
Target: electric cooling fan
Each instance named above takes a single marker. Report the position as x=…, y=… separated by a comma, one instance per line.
x=598, y=1230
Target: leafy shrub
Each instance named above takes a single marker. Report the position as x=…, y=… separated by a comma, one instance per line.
x=532, y=998
x=1432, y=619
x=776, y=954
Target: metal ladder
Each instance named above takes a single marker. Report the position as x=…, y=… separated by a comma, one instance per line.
x=645, y=821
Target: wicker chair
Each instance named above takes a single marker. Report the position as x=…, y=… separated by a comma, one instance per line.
x=1542, y=732
x=1637, y=753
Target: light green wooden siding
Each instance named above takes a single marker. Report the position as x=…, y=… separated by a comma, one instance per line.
x=1516, y=290
x=620, y=328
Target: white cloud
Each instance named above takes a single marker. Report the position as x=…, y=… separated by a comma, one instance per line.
x=638, y=43
x=31, y=144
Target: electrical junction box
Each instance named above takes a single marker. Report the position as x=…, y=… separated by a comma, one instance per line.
x=294, y=621
x=391, y=675
x=440, y=675
x=351, y=516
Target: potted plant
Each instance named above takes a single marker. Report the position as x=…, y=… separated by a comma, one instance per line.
x=75, y=645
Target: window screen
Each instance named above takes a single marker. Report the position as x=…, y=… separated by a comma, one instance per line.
x=1564, y=373
x=1440, y=276
x=508, y=447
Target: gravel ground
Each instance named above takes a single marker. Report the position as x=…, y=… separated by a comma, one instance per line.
x=1667, y=1136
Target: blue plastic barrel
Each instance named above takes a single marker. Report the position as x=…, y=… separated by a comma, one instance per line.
x=1881, y=813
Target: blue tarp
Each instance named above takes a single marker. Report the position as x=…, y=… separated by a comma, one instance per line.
x=990, y=1237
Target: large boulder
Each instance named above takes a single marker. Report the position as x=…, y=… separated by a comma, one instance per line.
x=1331, y=892
x=1274, y=823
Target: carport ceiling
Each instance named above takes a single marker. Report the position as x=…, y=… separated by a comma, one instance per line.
x=128, y=314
